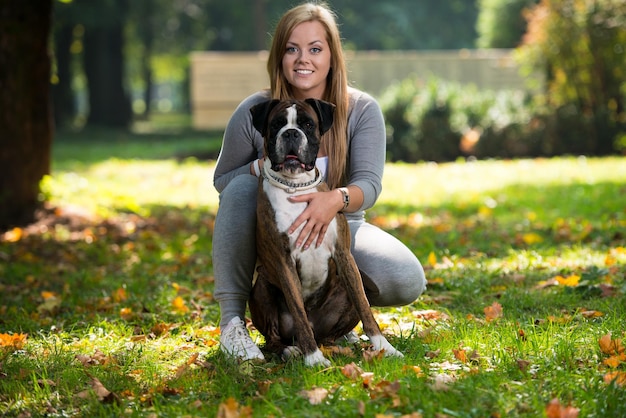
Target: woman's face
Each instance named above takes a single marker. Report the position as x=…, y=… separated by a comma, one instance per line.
x=306, y=61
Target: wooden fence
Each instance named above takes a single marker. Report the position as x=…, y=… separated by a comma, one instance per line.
x=220, y=80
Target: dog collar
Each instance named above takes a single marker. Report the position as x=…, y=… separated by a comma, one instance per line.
x=289, y=186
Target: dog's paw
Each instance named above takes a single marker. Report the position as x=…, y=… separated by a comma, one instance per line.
x=291, y=352
x=316, y=359
x=380, y=343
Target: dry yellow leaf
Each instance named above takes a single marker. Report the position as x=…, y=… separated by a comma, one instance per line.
x=571, y=280
x=432, y=259
x=493, y=312
x=315, y=396
x=179, y=305
x=554, y=409
x=532, y=238
x=617, y=377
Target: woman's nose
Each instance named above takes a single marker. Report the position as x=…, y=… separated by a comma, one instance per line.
x=302, y=56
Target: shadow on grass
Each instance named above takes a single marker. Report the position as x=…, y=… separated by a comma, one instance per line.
x=95, y=145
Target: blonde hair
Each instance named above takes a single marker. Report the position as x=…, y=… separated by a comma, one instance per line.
x=336, y=91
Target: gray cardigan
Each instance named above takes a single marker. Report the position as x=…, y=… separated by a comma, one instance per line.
x=242, y=144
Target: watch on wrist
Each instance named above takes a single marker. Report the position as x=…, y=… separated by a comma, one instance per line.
x=346, y=197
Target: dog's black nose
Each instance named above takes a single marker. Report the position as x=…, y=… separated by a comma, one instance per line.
x=291, y=134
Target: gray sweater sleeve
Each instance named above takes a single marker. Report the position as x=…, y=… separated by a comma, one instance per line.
x=367, y=144
x=241, y=144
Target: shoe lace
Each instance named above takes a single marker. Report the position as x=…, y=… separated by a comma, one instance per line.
x=239, y=335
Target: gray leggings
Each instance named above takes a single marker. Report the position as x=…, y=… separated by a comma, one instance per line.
x=392, y=275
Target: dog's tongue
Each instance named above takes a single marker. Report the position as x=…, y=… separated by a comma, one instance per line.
x=293, y=160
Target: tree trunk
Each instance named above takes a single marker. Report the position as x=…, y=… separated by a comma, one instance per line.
x=109, y=104
x=25, y=113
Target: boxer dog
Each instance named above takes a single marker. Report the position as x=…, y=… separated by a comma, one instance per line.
x=302, y=298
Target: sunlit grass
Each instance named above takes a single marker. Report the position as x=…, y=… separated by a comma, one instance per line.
x=124, y=297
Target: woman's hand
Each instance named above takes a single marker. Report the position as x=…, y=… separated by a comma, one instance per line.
x=320, y=211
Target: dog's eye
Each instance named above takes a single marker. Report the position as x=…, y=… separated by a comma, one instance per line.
x=277, y=124
x=307, y=124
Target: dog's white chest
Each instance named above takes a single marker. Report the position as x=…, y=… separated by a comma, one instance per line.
x=313, y=262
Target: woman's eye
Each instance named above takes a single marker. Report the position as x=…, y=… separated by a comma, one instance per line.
x=316, y=50
x=291, y=49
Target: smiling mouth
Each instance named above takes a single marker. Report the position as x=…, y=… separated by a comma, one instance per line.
x=292, y=163
x=304, y=72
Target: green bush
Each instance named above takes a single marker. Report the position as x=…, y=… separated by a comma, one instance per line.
x=434, y=120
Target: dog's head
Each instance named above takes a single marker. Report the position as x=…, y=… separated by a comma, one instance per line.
x=292, y=130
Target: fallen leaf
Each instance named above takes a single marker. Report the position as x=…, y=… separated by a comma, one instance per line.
x=367, y=378
x=97, y=358
x=460, y=355
x=315, y=396
x=102, y=393
x=13, y=235
x=126, y=313
x=523, y=364
x=433, y=354
x=532, y=238
x=591, y=314
x=614, y=361
x=351, y=371
x=493, y=312
x=432, y=259
x=555, y=410
x=608, y=345
x=332, y=350
x=430, y=315
x=616, y=377
x=571, y=281
x=442, y=381
x=231, y=409
x=609, y=260
x=185, y=366
x=415, y=369
x=373, y=355
x=160, y=329
x=179, y=305
x=386, y=389
x=13, y=341
x=119, y=295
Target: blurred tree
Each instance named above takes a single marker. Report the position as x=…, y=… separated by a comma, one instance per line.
x=25, y=114
x=580, y=45
x=407, y=24
x=501, y=23
x=123, y=48
x=109, y=102
x=62, y=94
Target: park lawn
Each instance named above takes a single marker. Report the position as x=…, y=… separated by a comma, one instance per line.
x=107, y=307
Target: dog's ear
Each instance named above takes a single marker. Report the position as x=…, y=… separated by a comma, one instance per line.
x=260, y=113
x=325, y=113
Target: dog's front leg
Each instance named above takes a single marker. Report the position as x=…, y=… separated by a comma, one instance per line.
x=351, y=278
x=304, y=333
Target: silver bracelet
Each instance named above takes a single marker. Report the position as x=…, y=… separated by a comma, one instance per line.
x=346, y=197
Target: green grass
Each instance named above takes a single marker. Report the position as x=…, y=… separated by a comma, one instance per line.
x=115, y=287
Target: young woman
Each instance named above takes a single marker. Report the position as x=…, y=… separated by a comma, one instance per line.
x=306, y=61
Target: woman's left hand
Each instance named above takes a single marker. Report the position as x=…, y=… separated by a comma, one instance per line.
x=320, y=211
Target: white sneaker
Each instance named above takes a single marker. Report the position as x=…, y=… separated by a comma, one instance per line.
x=236, y=342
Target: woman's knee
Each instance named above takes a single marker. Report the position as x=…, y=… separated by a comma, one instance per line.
x=397, y=286
x=242, y=191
